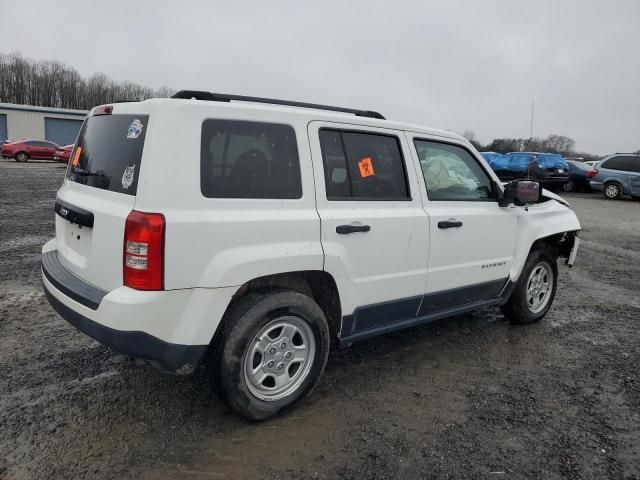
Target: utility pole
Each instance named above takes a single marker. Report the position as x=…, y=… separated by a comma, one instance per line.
x=531, y=127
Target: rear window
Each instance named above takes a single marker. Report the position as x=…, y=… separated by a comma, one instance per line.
x=249, y=160
x=580, y=166
x=552, y=161
x=108, y=152
x=520, y=162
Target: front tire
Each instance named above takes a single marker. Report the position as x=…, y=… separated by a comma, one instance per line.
x=273, y=350
x=534, y=291
x=612, y=191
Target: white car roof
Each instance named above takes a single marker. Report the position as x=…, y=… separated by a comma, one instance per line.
x=309, y=114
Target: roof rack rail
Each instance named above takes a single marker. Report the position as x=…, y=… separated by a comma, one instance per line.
x=223, y=97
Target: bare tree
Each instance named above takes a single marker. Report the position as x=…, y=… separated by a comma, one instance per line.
x=559, y=144
x=471, y=136
x=54, y=84
x=552, y=144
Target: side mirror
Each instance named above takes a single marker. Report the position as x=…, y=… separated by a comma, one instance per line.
x=521, y=192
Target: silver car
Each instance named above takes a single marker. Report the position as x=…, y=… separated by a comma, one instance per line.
x=618, y=175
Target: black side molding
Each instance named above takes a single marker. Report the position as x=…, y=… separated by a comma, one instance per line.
x=68, y=283
x=371, y=320
x=74, y=214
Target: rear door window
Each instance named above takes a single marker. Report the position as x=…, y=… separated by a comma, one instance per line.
x=249, y=160
x=109, y=152
x=618, y=163
x=363, y=166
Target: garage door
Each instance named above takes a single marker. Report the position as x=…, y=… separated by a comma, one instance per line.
x=61, y=130
x=3, y=127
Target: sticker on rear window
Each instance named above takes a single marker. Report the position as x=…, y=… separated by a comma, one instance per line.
x=135, y=129
x=127, y=176
x=366, y=167
x=76, y=158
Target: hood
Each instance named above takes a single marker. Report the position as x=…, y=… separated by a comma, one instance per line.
x=547, y=194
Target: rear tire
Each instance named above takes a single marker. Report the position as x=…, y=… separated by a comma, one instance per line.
x=569, y=186
x=534, y=291
x=272, y=352
x=612, y=191
x=21, y=157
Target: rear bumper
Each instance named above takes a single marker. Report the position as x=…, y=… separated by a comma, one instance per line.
x=169, y=329
x=165, y=356
x=595, y=185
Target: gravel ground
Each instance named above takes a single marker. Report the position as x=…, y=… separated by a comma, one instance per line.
x=467, y=397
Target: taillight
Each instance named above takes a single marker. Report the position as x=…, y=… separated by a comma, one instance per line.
x=592, y=173
x=103, y=110
x=143, y=255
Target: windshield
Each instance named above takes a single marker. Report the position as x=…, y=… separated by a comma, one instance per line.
x=108, y=152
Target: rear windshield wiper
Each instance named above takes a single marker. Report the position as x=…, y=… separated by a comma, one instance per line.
x=86, y=173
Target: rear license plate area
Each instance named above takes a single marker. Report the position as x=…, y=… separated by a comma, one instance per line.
x=74, y=242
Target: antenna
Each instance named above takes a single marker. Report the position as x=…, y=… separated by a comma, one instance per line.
x=531, y=127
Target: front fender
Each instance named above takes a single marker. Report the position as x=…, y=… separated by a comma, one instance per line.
x=540, y=221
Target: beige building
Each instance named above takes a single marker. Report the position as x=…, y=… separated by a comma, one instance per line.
x=26, y=122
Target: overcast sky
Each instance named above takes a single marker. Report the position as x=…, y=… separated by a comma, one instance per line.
x=449, y=64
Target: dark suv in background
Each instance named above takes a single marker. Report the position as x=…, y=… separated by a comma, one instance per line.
x=618, y=175
x=549, y=168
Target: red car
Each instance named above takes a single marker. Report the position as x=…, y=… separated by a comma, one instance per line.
x=29, y=149
x=62, y=154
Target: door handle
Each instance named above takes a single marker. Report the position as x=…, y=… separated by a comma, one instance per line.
x=345, y=229
x=451, y=223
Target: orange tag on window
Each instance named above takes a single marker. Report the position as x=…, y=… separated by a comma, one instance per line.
x=76, y=157
x=366, y=167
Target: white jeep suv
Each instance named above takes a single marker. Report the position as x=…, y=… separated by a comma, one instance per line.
x=254, y=234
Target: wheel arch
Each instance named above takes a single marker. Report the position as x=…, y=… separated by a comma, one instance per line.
x=550, y=224
x=317, y=284
x=615, y=180
x=559, y=244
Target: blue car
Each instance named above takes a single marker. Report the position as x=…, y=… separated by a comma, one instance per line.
x=618, y=175
x=549, y=168
x=580, y=174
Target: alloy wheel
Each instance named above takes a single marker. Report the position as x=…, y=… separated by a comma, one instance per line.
x=279, y=358
x=612, y=191
x=539, y=287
